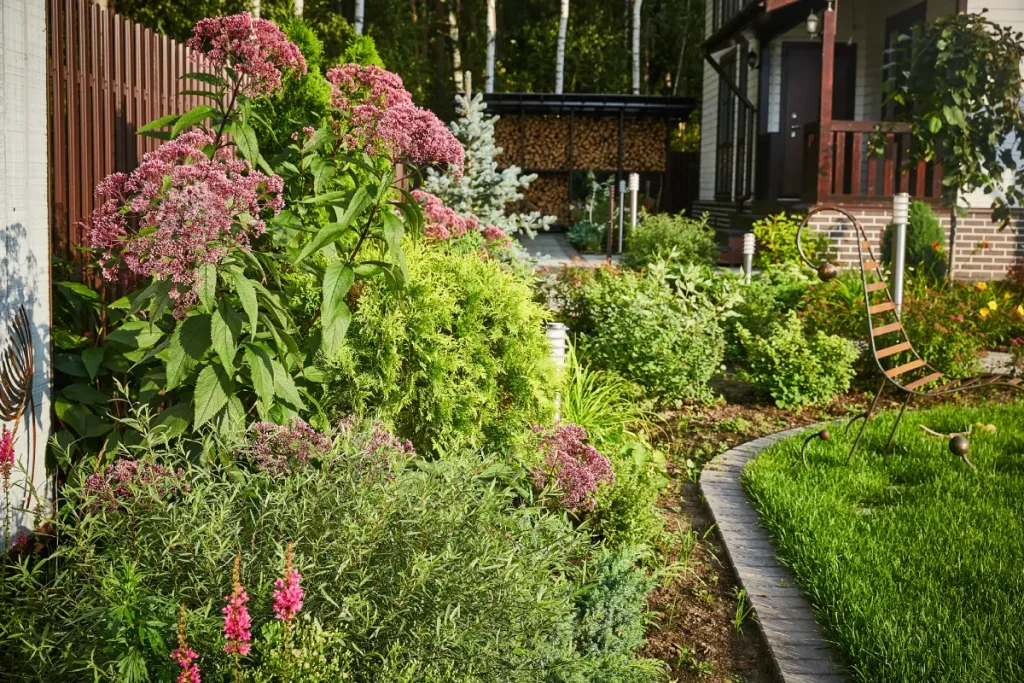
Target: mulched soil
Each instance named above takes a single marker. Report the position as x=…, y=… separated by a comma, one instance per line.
x=694, y=627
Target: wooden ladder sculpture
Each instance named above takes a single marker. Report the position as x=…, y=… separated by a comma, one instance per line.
x=901, y=366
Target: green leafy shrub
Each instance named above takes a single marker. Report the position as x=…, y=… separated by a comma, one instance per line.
x=663, y=237
x=926, y=243
x=776, y=241
x=634, y=325
x=413, y=571
x=771, y=293
x=796, y=370
x=458, y=355
x=627, y=512
x=588, y=237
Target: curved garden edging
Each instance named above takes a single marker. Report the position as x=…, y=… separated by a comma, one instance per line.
x=798, y=648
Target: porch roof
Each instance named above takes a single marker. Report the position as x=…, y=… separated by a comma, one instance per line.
x=764, y=18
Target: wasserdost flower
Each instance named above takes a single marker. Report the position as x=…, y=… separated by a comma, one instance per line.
x=115, y=485
x=288, y=591
x=255, y=49
x=279, y=450
x=442, y=222
x=179, y=210
x=383, y=119
x=573, y=466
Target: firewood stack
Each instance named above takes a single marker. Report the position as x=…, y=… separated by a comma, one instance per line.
x=506, y=136
x=549, y=194
x=643, y=145
x=546, y=139
x=596, y=144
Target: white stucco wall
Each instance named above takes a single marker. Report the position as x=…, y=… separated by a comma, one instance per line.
x=708, y=120
x=25, y=233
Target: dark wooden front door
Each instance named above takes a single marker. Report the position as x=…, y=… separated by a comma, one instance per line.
x=801, y=101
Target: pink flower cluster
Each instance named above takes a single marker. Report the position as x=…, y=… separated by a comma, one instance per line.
x=186, y=210
x=376, y=448
x=495, y=234
x=236, y=617
x=281, y=449
x=185, y=657
x=288, y=591
x=384, y=120
x=118, y=481
x=256, y=49
x=573, y=466
x=442, y=221
x=6, y=454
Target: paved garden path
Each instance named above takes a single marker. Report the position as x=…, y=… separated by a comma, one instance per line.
x=552, y=250
x=798, y=648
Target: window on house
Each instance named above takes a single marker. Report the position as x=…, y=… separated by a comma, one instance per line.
x=896, y=54
x=725, y=150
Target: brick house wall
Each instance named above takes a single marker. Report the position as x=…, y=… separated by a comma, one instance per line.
x=983, y=252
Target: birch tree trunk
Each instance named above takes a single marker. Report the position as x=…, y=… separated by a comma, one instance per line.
x=360, y=13
x=492, y=34
x=636, y=46
x=563, y=25
x=453, y=32
x=682, y=48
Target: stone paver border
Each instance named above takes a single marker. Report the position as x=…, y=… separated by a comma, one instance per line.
x=796, y=643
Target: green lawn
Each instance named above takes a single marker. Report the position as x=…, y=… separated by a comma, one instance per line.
x=915, y=564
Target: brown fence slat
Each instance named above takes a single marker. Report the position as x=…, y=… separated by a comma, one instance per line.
x=107, y=76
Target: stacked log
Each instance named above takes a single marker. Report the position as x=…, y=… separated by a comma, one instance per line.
x=546, y=142
x=549, y=194
x=506, y=136
x=644, y=145
x=596, y=144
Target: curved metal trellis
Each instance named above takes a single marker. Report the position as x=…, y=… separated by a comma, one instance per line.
x=17, y=374
x=902, y=367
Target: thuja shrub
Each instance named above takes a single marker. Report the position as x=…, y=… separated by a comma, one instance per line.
x=635, y=325
x=926, y=243
x=459, y=355
x=796, y=369
x=678, y=239
x=411, y=573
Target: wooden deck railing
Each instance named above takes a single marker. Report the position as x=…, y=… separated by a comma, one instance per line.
x=857, y=175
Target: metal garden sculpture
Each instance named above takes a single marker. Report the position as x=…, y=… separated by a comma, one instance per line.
x=17, y=372
x=901, y=366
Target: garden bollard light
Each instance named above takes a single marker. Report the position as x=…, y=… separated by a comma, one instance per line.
x=634, y=190
x=622, y=210
x=900, y=217
x=556, y=337
x=749, y=246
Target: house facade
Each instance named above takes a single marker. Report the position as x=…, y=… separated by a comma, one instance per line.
x=792, y=92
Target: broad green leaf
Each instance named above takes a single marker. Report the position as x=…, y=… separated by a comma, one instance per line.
x=223, y=336
x=332, y=231
x=245, y=138
x=79, y=289
x=212, y=390
x=137, y=334
x=232, y=422
x=84, y=393
x=208, y=285
x=335, y=315
x=205, y=78
x=92, y=358
x=173, y=420
x=247, y=295
x=202, y=93
x=195, y=336
x=393, y=232
x=161, y=122
x=155, y=289
x=262, y=370
x=284, y=386
x=191, y=118
x=178, y=362
x=71, y=364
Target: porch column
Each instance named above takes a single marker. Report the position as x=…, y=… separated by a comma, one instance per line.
x=826, y=146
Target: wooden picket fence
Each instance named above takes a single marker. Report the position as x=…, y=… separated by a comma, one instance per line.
x=107, y=77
